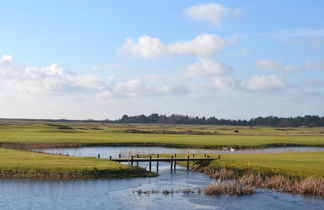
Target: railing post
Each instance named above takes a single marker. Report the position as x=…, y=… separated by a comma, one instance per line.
x=132, y=159
x=119, y=155
x=98, y=155
x=110, y=157
x=193, y=155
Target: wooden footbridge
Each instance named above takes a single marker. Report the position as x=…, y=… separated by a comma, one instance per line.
x=173, y=160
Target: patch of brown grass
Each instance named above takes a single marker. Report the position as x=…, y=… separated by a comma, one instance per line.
x=229, y=188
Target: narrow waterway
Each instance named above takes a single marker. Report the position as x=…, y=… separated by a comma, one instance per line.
x=119, y=193
x=127, y=151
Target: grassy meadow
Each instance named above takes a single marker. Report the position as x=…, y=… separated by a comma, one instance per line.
x=151, y=134
x=32, y=134
x=25, y=164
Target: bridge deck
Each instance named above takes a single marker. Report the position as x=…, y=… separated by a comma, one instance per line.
x=159, y=159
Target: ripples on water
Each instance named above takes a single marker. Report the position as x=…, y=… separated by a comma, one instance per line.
x=119, y=193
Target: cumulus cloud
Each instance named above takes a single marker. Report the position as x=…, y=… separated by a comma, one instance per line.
x=276, y=66
x=211, y=12
x=225, y=83
x=144, y=46
x=150, y=85
x=201, y=45
x=51, y=79
x=6, y=59
x=266, y=82
x=206, y=67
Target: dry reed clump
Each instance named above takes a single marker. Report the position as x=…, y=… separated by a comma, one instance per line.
x=312, y=186
x=229, y=188
x=218, y=172
x=307, y=186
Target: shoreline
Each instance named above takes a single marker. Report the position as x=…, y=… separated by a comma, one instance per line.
x=31, y=145
x=40, y=166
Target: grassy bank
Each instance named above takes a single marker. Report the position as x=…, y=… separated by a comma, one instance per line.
x=53, y=135
x=23, y=164
x=286, y=172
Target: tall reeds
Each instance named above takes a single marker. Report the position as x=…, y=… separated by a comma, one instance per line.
x=306, y=186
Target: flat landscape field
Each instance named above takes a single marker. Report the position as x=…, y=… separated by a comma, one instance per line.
x=159, y=135
x=25, y=164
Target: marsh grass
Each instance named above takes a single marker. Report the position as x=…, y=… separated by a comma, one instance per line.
x=228, y=188
x=44, y=134
x=24, y=164
x=307, y=186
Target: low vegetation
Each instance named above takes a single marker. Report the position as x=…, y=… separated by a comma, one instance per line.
x=23, y=164
x=29, y=135
x=229, y=188
x=286, y=172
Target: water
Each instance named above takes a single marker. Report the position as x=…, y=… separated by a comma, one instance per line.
x=126, y=151
x=119, y=193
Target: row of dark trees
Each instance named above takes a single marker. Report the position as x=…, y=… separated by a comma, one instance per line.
x=307, y=120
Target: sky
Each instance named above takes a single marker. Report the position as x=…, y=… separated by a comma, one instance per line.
x=98, y=59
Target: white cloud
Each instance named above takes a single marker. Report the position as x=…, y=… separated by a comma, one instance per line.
x=46, y=80
x=206, y=67
x=202, y=45
x=145, y=46
x=211, y=12
x=6, y=59
x=225, y=83
x=276, y=66
x=266, y=82
x=150, y=85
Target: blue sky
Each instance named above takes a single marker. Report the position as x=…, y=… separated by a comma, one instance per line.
x=102, y=59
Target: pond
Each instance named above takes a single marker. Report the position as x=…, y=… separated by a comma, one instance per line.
x=119, y=193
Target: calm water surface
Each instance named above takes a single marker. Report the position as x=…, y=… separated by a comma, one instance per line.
x=119, y=193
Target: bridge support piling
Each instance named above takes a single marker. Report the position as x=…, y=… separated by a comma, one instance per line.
x=171, y=164
x=188, y=164
x=150, y=164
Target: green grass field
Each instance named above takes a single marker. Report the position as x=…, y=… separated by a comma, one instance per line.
x=15, y=163
x=297, y=164
x=24, y=164
x=290, y=164
x=217, y=136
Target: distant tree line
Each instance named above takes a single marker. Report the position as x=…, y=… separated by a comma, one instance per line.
x=307, y=120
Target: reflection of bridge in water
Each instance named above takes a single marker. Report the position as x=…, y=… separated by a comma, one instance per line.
x=173, y=160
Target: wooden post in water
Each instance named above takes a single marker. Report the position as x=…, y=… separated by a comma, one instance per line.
x=132, y=158
x=174, y=165
x=188, y=164
x=150, y=163
x=157, y=163
x=171, y=167
x=137, y=157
